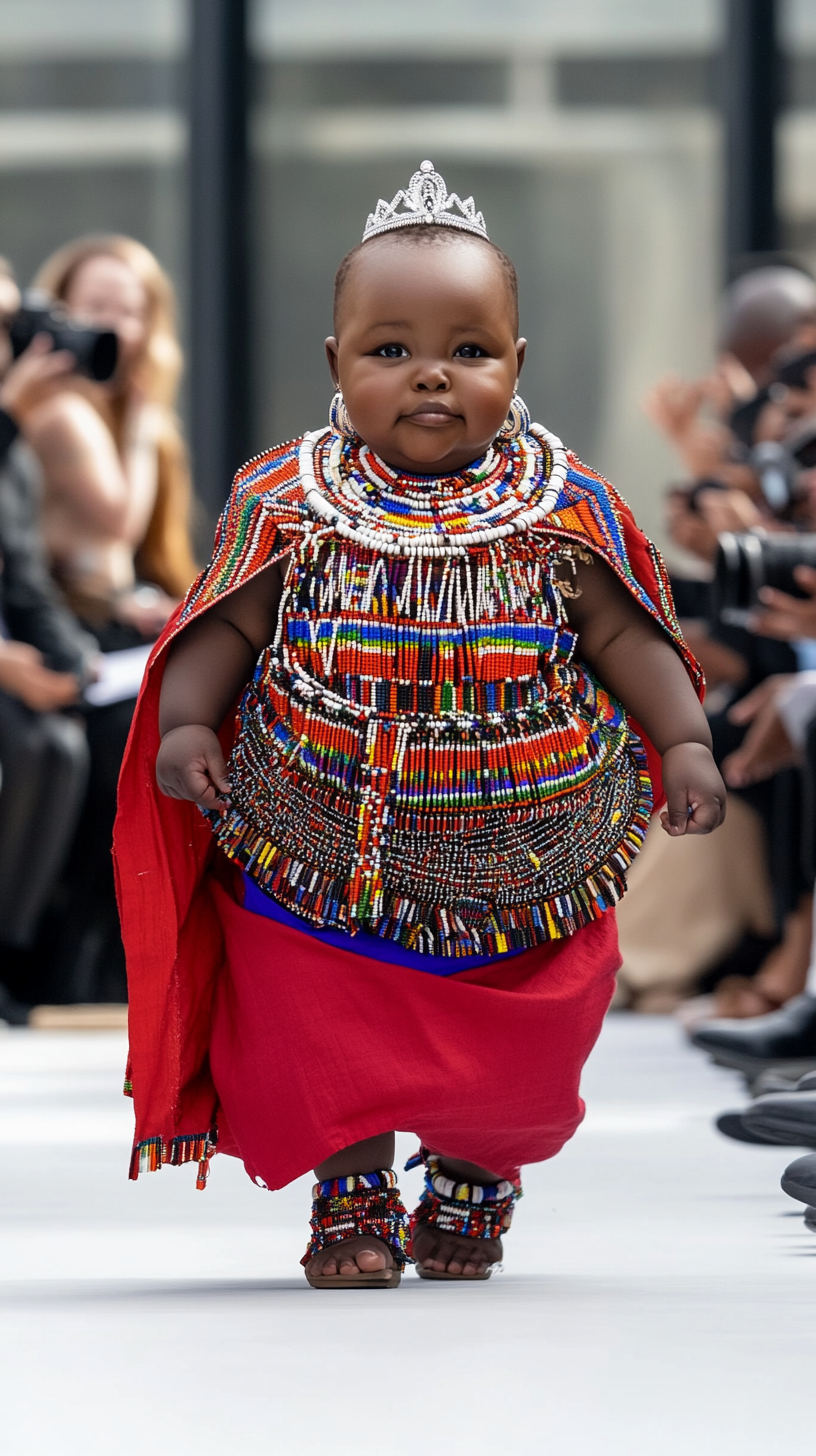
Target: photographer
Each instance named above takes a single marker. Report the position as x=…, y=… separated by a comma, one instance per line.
x=117, y=487
x=44, y=659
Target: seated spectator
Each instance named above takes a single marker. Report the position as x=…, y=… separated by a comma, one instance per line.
x=45, y=658
x=116, y=508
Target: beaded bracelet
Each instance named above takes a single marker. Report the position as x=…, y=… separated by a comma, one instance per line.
x=361, y=1204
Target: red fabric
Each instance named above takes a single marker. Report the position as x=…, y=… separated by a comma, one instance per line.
x=162, y=848
x=315, y=1048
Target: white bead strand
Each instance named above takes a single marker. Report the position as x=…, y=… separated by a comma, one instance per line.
x=345, y=505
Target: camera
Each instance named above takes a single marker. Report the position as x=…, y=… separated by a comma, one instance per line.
x=95, y=350
x=779, y=465
x=746, y=563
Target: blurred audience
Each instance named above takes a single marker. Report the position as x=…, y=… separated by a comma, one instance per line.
x=45, y=659
x=745, y=435
x=116, y=502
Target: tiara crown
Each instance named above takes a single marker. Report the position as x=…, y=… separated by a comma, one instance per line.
x=425, y=199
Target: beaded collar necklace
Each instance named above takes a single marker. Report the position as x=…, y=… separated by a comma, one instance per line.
x=506, y=493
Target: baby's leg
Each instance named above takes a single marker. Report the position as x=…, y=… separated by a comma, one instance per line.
x=363, y=1254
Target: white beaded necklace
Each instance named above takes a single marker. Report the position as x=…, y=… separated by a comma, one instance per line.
x=363, y=526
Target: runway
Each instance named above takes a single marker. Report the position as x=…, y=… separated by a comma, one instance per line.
x=658, y=1292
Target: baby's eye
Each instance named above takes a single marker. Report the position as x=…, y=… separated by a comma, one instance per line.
x=470, y=351
x=392, y=351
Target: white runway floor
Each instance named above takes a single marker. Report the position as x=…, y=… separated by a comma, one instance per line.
x=658, y=1295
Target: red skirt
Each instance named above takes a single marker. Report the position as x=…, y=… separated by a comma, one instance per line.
x=315, y=1048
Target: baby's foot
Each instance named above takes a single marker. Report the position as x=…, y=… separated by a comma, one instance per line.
x=351, y=1258
x=442, y=1253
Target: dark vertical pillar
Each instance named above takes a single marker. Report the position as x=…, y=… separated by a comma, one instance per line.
x=752, y=86
x=219, y=275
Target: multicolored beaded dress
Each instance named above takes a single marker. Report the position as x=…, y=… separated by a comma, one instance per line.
x=420, y=754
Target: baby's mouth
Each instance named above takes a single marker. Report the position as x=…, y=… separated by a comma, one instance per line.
x=432, y=414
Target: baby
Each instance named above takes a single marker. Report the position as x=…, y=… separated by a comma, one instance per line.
x=457, y=669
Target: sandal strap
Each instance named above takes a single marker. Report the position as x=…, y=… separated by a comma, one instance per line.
x=360, y=1204
x=471, y=1210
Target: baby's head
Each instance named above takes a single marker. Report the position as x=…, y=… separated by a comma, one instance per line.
x=425, y=345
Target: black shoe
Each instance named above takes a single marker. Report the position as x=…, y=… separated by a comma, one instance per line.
x=784, y=1040
x=784, y=1118
x=772, y=1081
x=733, y=1125
x=810, y=1219
x=775, y=1082
x=743, y=1127
x=799, y=1179
x=13, y=1012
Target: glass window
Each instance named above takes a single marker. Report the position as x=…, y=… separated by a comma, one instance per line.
x=797, y=132
x=586, y=133
x=92, y=134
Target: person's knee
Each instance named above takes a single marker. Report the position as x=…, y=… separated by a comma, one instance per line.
x=65, y=740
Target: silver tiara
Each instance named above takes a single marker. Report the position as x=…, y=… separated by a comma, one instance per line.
x=425, y=199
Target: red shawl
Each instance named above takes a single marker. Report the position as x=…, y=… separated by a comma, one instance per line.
x=162, y=846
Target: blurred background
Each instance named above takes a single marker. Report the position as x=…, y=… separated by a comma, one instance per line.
x=590, y=132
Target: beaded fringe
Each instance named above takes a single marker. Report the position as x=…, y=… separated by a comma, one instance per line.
x=149, y=1155
x=435, y=929
x=361, y=1204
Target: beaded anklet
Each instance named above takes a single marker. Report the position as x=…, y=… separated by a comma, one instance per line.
x=363, y=1203
x=469, y=1210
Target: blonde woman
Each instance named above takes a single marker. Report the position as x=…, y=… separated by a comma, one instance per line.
x=117, y=488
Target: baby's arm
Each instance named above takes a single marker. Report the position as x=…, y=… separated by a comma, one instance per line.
x=634, y=659
x=208, y=665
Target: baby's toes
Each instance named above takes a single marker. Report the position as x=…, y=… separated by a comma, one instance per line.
x=439, y=1266
x=370, y=1261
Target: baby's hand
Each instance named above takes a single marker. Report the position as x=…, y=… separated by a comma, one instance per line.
x=695, y=792
x=190, y=765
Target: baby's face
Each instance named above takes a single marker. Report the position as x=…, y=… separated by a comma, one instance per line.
x=426, y=353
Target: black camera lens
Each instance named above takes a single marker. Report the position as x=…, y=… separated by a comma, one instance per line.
x=101, y=355
x=746, y=563
x=95, y=350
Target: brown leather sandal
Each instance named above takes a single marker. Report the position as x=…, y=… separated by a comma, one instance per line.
x=362, y=1204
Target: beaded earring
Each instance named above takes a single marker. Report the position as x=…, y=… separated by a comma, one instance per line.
x=339, y=416
x=518, y=420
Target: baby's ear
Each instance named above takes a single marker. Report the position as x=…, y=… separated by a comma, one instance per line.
x=521, y=352
x=331, y=355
